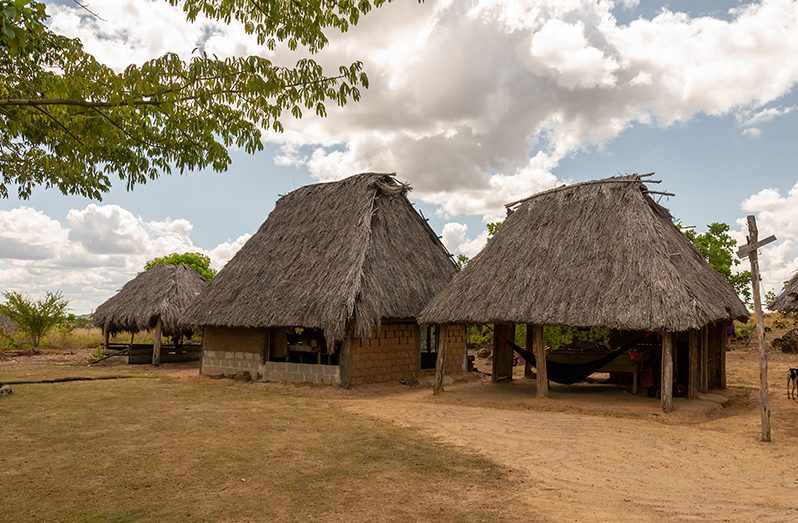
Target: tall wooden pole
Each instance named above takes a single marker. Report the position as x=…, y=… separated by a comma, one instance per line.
x=530, y=342
x=753, y=257
x=156, y=343
x=666, y=386
x=540, y=359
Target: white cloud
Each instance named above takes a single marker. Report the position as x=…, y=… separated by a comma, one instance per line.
x=776, y=214
x=476, y=102
x=92, y=253
x=455, y=238
x=752, y=132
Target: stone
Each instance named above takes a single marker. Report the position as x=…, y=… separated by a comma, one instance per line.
x=484, y=352
x=787, y=343
x=5, y=390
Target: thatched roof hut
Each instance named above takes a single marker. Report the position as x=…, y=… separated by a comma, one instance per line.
x=163, y=292
x=338, y=256
x=787, y=300
x=594, y=254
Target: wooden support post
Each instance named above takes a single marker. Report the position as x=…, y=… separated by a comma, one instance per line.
x=156, y=342
x=704, y=360
x=106, y=338
x=693, y=377
x=502, y=353
x=666, y=386
x=724, y=347
x=530, y=342
x=540, y=358
x=344, y=362
x=440, y=365
x=750, y=250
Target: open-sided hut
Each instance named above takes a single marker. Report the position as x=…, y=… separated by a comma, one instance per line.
x=154, y=300
x=787, y=300
x=598, y=254
x=328, y=290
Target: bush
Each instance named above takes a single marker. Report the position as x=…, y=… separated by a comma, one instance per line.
x=35, y=318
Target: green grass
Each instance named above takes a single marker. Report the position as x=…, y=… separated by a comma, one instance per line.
x=161, y=449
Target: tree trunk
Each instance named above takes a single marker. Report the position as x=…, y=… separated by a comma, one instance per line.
x=540, y=358
x=440, y=362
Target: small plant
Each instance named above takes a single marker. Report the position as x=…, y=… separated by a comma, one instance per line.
x=97, y=355
x=35, y=318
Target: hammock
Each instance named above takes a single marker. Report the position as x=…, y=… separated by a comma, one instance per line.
x=570, y=373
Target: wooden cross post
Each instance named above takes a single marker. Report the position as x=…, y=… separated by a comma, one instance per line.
x=750, y=250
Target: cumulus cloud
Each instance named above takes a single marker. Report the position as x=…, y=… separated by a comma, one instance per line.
x=92, y=253
x=776, y=214
x=476, y=102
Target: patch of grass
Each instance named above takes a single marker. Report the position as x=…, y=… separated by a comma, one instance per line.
x=160, y=449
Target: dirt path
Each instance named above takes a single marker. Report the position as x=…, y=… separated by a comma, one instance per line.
x=598, y=468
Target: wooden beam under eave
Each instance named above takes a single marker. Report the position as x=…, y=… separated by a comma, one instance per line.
x=106, y=338
x=666, y=386
x=530, y=343
x=705, y=359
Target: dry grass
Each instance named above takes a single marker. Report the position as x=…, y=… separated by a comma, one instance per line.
x=167, y=449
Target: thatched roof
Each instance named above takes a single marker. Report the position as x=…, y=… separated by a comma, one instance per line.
x=787, y=300
x=165, y=291
x=599, y=253
x=338, y=256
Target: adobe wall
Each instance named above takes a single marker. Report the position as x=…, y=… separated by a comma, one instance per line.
x=455, y=338
x=392, y=354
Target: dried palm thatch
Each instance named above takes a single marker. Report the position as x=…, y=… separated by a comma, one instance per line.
x=164, y=291
x=338, y=256
x=600, y=253
x=787, y=300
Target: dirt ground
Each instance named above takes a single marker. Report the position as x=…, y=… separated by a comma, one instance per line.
x=591, y=452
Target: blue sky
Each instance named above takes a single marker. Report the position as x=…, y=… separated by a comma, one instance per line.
x=475, y=104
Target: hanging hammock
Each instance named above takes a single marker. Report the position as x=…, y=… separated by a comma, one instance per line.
x=570, y=373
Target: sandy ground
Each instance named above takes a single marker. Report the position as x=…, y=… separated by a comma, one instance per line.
x=594, y=452
x=608, y=455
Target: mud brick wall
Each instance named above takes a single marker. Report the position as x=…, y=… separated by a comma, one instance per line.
x=455, y=338
x=392, y=354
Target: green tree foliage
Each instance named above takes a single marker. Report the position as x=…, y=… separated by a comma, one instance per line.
x=493, y=228
x=718, y=248
x=72, y=123
x=35, y=318
x=197, y=261
x=461, y=261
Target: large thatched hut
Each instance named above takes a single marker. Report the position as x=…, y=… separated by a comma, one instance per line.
x=328, y=290
x=599, y=254
x=787, y=300
x=154, y=300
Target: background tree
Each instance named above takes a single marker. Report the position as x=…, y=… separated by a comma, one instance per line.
x=73, y=123
x=196, y=260
x=35, y=318
x=718, y=248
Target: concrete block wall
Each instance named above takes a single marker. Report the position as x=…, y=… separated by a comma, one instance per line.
x=230, y=363
x=455, y=338
x=300, y=373
x=392, y=354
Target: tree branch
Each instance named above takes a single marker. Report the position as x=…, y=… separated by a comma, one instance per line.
x=62, y=126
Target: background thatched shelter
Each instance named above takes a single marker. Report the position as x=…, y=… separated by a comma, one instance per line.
x=336, y=256
x=164, y=292
x=787, y=300
x=600, y=253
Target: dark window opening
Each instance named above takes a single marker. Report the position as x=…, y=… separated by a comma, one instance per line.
x=429, y=346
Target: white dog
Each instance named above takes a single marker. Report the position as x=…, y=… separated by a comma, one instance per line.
x=5, y=390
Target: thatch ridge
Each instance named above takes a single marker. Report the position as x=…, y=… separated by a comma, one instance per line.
x=340, y=256
x=601, y=253
x=787, y=300
x=165, y=290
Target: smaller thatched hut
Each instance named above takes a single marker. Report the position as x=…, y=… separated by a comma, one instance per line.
x=327, y=291
x=154, y=300
x=600, y=254
x=787, y=300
